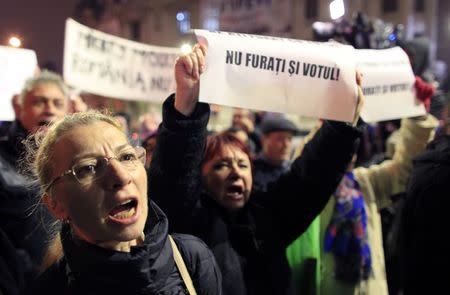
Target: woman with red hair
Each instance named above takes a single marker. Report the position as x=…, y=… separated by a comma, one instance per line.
x=205, y=187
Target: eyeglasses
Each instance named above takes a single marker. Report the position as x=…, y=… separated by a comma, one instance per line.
x=89, y=169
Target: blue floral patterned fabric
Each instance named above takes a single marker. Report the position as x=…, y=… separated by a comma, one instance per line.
x=346, y=236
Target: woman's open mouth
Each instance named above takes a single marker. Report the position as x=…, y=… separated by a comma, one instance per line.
x=235, y=192
x=125, y=213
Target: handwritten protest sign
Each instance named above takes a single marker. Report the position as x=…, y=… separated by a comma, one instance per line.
x=387, y=85
x=16, y=65
x=279, y=75
x=111, y=66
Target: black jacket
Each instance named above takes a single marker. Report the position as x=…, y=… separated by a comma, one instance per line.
x=265, y=173
x=147, y=269
x=425, y=254
x=23, y=222
x=250, y=249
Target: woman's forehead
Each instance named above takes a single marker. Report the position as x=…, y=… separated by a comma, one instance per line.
x=91, y=136
x=231, y=151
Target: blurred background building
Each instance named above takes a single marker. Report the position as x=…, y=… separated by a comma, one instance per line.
x=39, y=25
x=168, y=22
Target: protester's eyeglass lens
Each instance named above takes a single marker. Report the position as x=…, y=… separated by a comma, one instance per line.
x=89, y=169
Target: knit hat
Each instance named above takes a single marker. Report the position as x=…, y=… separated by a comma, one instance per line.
x=278, y=124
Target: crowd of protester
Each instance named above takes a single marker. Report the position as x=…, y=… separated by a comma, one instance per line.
x=256, y=208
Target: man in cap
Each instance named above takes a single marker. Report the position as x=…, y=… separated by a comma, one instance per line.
x=274, y=159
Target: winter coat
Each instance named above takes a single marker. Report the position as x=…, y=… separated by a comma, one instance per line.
x=250, y=245
x=265, y=172
x=148, y=269
x=378, y=183
x=23, y=222
x=424, y=249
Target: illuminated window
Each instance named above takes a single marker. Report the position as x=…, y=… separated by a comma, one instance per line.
x=211, y=20
x=183, y=21
x=337, y=9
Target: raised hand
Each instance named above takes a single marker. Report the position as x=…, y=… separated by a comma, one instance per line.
x=188, y=69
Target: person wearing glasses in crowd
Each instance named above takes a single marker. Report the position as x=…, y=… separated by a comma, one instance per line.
x=205, y=187
x=112, y=239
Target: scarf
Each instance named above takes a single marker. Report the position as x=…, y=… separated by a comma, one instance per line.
x=346, y=235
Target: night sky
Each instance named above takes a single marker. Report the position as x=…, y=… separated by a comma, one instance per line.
x=40, y=23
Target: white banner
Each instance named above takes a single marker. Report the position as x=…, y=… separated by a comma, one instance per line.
x=115, y=67
x=388, y=85
x=279, y=75
x=16, y=65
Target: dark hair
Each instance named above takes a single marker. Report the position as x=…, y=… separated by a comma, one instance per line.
x=217, y=142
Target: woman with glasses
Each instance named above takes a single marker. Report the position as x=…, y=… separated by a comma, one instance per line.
x=113, y=239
